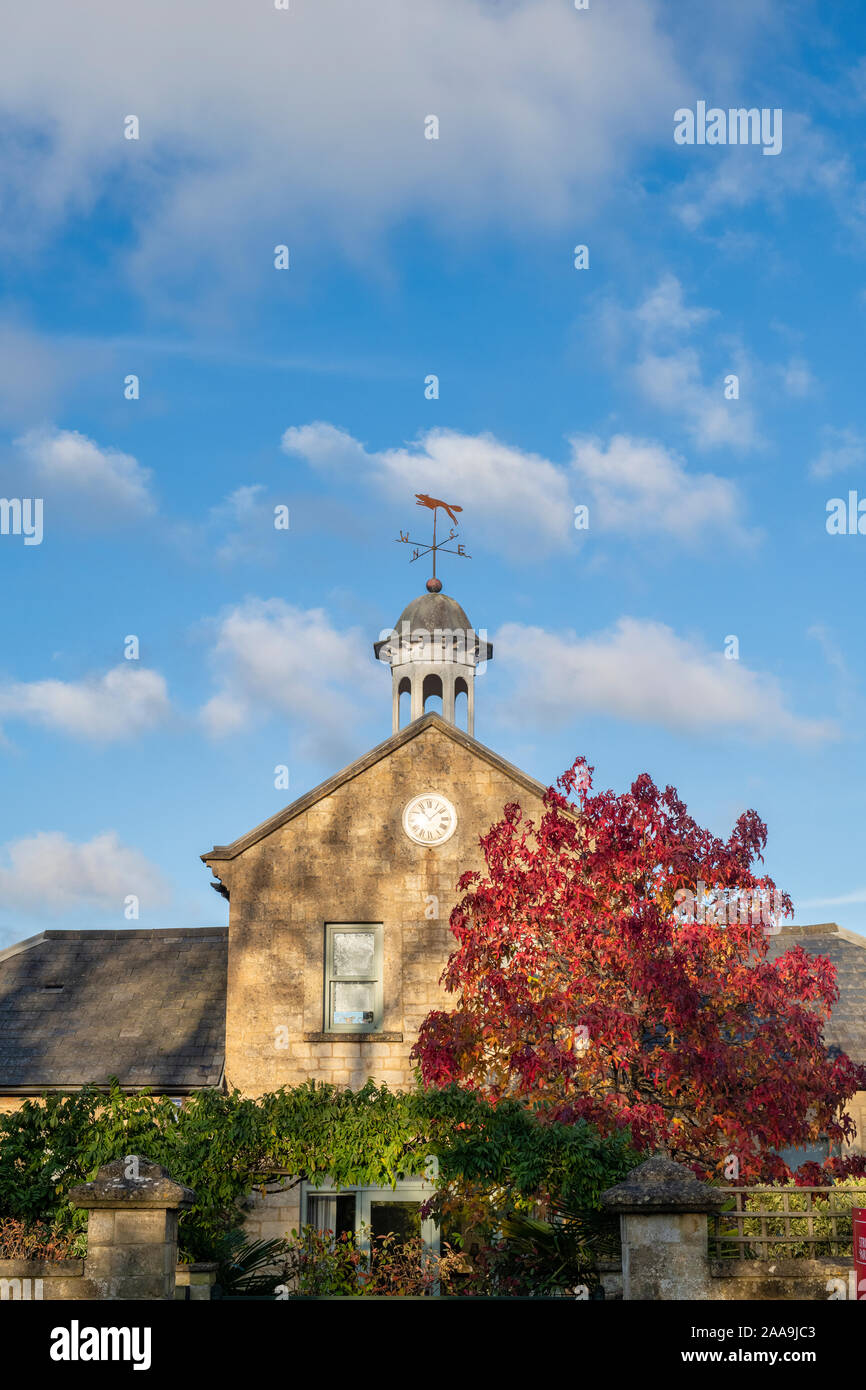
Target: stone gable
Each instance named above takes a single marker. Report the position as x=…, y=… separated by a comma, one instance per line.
x=341, y=855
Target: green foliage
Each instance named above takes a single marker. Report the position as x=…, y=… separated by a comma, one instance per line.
x=557, y=1255
x=321, y=1265
x=511, y=1149
x=212, y=1145
x=255, y=1267
x=553, y=1256
x=224, y=1146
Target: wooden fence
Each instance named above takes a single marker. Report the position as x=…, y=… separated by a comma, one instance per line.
x=766, y=1223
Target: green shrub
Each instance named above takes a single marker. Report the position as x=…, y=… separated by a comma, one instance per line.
x=321, y=1265
x=831, y=1237
x=491, y=1161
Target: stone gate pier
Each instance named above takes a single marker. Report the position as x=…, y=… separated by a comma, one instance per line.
x=131, y=1229
x=663, y=1210
x=132, y=1207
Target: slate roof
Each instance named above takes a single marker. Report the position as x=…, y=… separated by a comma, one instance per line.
x=149, y=1006
x=145, y=1006
x=847, y=951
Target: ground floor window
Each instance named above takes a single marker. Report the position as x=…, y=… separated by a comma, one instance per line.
x=372, y=1212
x=334, y=1213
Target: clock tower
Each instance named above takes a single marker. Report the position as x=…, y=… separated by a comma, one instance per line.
x=339, y=905
x=434, y=654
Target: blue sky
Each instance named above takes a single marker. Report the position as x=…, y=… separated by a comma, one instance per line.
x=305, y=387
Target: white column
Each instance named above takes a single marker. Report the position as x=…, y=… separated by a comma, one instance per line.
x=417, y=680
x=448, y=696
x=395, y=721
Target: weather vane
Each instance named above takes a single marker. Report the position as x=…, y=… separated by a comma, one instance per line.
x=433, y=504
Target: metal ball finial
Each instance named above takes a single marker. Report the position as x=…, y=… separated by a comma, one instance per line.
x=434, y=585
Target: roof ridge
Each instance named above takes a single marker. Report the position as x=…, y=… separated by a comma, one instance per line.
x=18, y=946
x=123, y=933
x=106, y=933
x=815, y=928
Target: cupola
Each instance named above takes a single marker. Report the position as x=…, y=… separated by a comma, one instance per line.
x=434, y=651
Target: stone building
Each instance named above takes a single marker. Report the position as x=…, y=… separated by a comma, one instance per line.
x=338, y=933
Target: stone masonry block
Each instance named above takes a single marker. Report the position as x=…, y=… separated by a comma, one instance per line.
x=141, y=1227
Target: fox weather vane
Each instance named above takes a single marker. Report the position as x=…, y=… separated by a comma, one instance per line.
x=433, y=504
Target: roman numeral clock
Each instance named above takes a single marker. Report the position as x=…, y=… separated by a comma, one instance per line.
x=429, y=819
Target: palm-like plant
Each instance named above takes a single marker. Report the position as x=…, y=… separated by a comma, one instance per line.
x=254, y=1268
x=560, y=1254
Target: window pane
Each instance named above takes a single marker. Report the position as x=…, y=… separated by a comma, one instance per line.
x=354, y=954
x=402, y=1219
x=334, y=1213
x=810, y=1153
x=354, y=1003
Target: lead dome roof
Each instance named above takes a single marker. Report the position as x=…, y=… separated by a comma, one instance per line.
x=432, y=611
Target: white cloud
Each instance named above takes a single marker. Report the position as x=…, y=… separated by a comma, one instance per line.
x=810, y=165
x=126, y=701
x=271, y=657
x=47, y=872
x=641, y=671
x=105, y=482
x=640, y=487
x=510, y=492
x=664, y=312
x=259, y=126
x=244, y=522
x=522, y=503
x=670, y=372
x=843, y=900
x=674, y=382
x=797, y=378
x=842, y=451
x=326, y=447
x=514, y=497
x=239, y=529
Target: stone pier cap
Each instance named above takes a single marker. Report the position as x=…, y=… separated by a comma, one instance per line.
x=661, y=1185
x=135, y=1182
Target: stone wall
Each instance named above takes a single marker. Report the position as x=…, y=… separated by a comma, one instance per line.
x=194, y=1283
x=132, y=1253
x=775, y=1280
x=610, y=1278
x=763, y=1281
x=31, y=1280
x=273, y=1216
x=856, y=1108
x=66, y=1281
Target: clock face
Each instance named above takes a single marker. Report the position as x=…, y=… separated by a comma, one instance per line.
x=429, y=819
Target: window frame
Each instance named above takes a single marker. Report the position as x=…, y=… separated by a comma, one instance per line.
x=407, y=1190
x=331, y=978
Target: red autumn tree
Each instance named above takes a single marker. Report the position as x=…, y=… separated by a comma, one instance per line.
x=587, y=988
